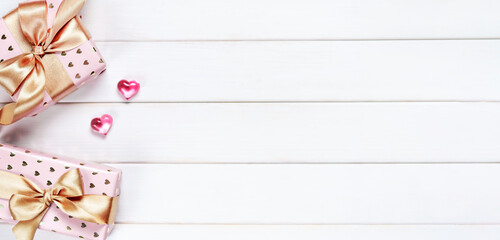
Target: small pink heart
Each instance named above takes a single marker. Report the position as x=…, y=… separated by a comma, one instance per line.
x=103, y=124
x=128, y=88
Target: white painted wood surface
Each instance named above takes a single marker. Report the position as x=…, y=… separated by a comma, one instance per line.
x=113, y=20
x=152, y=20
x=300, y=71
x=310, y=194
x=273, y=119
x=268, y=132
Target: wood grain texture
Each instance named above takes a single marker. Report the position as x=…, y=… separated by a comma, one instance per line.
x=281, y=19
x=268, y=132
x=227, y=169
x=147, y=20
x=299, y=71
x=310, y=194
x=294, y=232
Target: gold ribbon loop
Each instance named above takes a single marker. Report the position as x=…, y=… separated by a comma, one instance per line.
x=15, y=71
x=28, y=71
x=67, y=11
x=28, y=203
x=33, y=20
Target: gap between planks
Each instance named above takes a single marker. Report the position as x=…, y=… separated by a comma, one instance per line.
x=297, y=163
x=275, y=102
x=303, y=225
x=295, y=40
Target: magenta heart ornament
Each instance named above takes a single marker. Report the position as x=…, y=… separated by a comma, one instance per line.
x=128, y=88
x=102, y=124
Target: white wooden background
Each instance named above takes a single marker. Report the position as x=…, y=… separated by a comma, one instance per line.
x=291, y=119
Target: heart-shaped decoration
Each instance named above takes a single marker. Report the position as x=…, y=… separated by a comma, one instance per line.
x=128, y=88
x=103, y=124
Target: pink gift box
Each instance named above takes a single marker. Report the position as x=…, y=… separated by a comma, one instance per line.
x=44, y=170
x=86, y=59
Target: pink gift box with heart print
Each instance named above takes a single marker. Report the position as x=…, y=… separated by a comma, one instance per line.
x=45, y=170
x=81, y=64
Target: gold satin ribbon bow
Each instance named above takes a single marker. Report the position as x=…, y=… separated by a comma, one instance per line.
x=28, y=202
x=38, y=69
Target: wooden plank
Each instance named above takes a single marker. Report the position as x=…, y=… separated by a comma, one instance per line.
x=310, y=193
x=299, y=71
x=291, y=194
x=295, y=232
x=268, y=133
x=281, y=19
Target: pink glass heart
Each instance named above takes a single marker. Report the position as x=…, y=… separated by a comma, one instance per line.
x=103, y=124
x=128, y=88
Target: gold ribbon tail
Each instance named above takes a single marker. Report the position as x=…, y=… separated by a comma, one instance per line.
x=13, y=73
x=25, y=230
